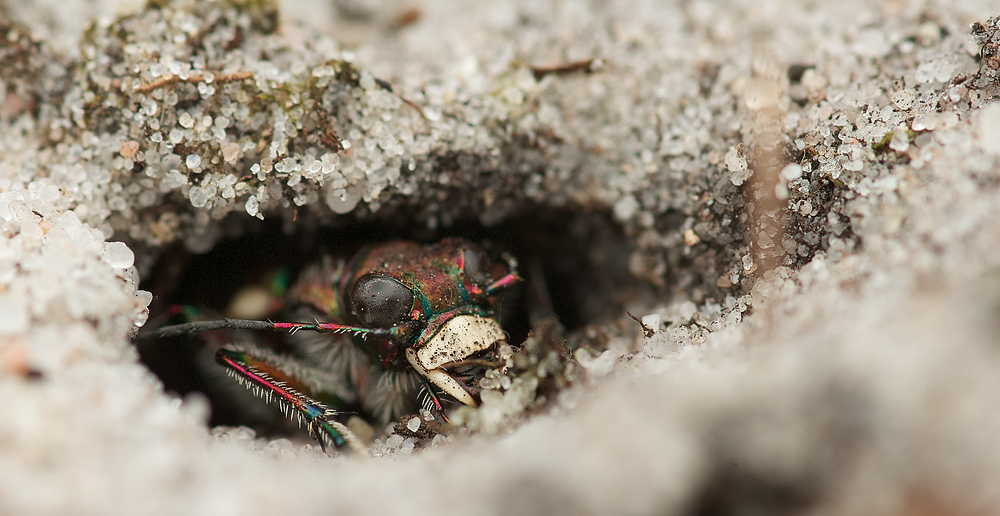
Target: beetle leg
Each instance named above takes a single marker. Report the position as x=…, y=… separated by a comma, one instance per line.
x=430, y=401
x=259, y=373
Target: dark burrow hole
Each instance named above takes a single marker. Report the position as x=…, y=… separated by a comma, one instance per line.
x=579, y=260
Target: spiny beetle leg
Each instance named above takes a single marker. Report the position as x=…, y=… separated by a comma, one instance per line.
x=431, y=402
x=271, y=384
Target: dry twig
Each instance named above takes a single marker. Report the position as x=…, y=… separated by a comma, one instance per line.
x=192, y=79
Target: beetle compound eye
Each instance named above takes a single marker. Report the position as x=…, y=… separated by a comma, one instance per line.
x=380, y=301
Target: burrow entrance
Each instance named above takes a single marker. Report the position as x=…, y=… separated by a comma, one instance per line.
x=578, y=259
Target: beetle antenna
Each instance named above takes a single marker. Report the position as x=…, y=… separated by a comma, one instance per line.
x=332, y=328
x=177, y=330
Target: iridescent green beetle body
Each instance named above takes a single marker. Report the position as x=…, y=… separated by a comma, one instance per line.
x=396, y=319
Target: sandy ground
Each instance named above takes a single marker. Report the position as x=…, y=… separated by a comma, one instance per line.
x=811, y=188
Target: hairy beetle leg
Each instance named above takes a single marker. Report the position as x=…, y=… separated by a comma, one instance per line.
x=430, y=401
x=268, y=382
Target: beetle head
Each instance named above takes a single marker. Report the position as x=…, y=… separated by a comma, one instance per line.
x=439, y=301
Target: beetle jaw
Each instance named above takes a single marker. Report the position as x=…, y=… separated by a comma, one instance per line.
x=460, y=338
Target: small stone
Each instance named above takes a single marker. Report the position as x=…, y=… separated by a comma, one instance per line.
x=736, y=159
x=814, y=81
x=413, y=424
x=144, y=296
x=198, y=197
x=687, y=310
x=343, y=201
x=900, y=141
x=691, y=238
x=903, y=99
x=652, y=321
x=252, y=206
x=599, y=365
x=129, y=149
x=230, y=152
x=394, y=441
x=854, y=165
x=118, y=255
x=736, y=162
x=791, y=171
x=242, y=433
x=626, y=207
x=739, y=177
x=193, y=161
x=780, y=191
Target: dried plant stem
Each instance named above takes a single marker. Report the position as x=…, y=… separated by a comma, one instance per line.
x=192, y=79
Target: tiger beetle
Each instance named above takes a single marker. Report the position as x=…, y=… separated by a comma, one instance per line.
x=396, y=322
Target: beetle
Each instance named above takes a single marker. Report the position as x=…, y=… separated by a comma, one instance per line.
x=397, y=320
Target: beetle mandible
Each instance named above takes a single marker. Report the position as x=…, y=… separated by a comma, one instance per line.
x=397, y=319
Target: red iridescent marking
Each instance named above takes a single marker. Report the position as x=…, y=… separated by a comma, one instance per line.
x=251, y=369
x=333, y=327
x=502, y=283
x=438, y=406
